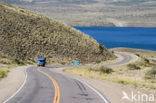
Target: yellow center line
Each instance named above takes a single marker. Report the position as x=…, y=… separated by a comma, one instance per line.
x=58, y=99
x=56, y=86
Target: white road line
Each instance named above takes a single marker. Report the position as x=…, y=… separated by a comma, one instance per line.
x=97, y=92
x=89, y=86
x=19, y=88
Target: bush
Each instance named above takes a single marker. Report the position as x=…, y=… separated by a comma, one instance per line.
x=105, y=70
x=146, y=60
x=91, y=69
x=150, y=74
x=123, y=82
x=138, y=55
x=19, y=62
x=113, y=52
x=133, y=67
x=3, y=73
x=146, y=63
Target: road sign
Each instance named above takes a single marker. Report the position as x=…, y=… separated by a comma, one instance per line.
x=76, y=62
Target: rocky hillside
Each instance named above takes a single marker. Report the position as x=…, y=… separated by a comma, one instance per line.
x=25, y=35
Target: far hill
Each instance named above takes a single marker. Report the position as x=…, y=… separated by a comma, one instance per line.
x=121, y=13
x=25, y=35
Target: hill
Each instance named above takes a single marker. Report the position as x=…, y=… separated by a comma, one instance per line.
x=121, y=13
x=25, y=35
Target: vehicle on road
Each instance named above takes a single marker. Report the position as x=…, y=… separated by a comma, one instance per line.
x=41, y=61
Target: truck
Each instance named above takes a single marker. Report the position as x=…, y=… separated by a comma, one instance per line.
x=41, y=61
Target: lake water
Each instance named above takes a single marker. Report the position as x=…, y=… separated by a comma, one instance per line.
x=141, y=38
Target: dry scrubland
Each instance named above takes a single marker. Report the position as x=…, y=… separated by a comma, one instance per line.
x=96, y=12
x=5, y=65
x=25, y=35
x=141, y=73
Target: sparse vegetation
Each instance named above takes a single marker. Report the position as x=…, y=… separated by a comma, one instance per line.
x=105, y=70
x=139, y=52
x=3, y=73
x=145, y=63
x=133, y=67
x=135, y=74
x=25, y=35
x=151, y=74
x=96, y=12
x=101, y=70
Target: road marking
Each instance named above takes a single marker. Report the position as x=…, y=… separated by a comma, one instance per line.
x=56, y=86
x=97, y=92
x=89, y=86
x=26, y=76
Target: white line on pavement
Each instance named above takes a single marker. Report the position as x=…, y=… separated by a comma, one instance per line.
x=19, y=88
x=97, y=92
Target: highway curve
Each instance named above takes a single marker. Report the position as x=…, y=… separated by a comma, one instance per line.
x=45, y=86
x=125, y=59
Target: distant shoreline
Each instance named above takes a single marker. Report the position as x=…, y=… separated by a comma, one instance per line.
x=124, y=49
x=126, y=25
x=117, y=26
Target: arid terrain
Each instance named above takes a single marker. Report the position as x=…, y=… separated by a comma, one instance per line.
x=121, y=13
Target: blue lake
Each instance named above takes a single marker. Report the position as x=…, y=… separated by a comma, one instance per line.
x=111, y=37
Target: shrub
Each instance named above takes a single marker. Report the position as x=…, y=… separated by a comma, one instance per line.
x=138, y=55
x=151, y=73
x=105, y=70
x=146, y=60
x=90, y=69
x=146, y=63
x=3, y=73
x=4, y=61
x=113, y=52
x=123, y=82
x=19, y=62
x=133, y=67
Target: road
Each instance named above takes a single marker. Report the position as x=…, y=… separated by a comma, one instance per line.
x=44, y=86
x=125, y=59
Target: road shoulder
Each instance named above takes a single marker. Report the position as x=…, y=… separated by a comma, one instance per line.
x=112, y=91
x=10, y=84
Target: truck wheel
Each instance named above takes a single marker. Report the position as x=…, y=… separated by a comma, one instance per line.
x=43, y=65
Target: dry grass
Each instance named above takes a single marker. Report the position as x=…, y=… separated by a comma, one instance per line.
x=98, y=12
x=25, y=35
x=120, y=75
x=144, y=77
x=139, y=52
x=3, y=73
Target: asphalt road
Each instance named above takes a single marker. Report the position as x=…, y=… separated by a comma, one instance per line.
x=44, y=86
x=126, y=59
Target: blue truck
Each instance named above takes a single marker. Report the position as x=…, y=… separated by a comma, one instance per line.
x=41, y=61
